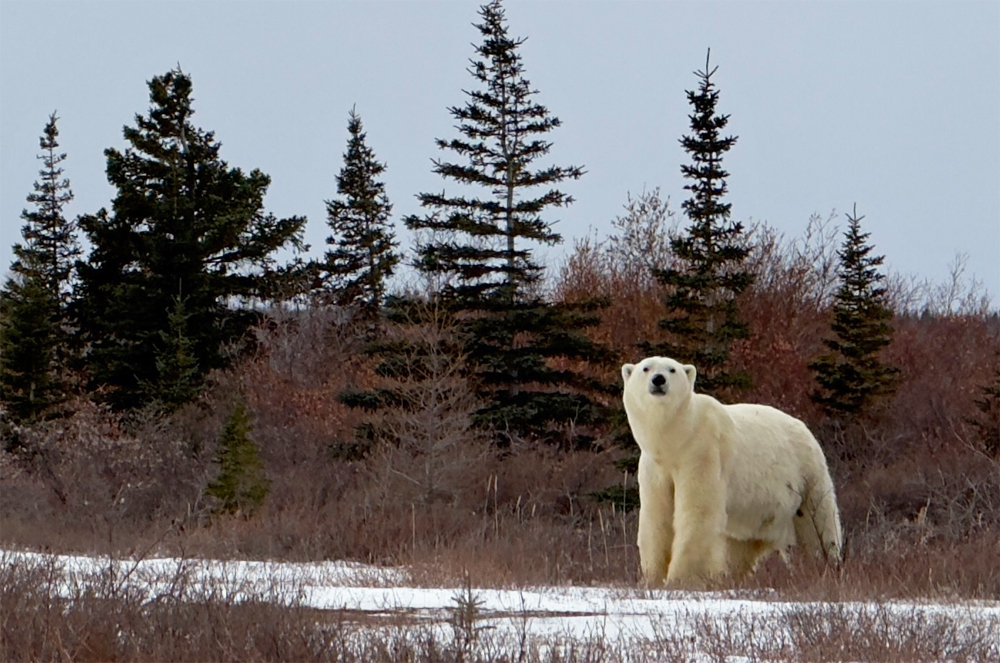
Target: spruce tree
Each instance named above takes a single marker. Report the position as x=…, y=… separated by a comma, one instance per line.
x=35, y=324
x=177, y=377
x=701, y=301
x=362, y=252
x=476, y=244
x=29, y=382
x=850, y=375
x=182, y=221
x=241, y=485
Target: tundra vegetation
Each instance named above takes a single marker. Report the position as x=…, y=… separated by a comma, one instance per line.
x=453, y=407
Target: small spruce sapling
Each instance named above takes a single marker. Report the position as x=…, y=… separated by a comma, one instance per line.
x=241, y=485
x=850, y=375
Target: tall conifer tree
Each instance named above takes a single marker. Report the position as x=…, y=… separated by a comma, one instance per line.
x=480, y=248
x=702, y=317
x=183, y=225
x=35, y=325
x=362, y=252
x=850, y=375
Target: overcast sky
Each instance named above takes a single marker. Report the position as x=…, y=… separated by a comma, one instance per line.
x=894, y=106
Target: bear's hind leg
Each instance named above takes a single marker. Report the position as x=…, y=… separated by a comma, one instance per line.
x=743, y=556
x=806, y=535
x=817, y=523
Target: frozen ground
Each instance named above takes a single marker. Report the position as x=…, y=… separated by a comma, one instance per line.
x=384, y=598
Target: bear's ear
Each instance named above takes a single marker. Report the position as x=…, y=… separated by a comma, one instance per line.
x=692, y=373
x=627, y=371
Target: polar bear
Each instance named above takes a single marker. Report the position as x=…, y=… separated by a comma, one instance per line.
x=721, y=486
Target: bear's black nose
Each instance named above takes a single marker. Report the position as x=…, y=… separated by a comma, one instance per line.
x=659, y=380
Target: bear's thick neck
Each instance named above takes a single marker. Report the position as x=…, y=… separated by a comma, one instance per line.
x=656, y=415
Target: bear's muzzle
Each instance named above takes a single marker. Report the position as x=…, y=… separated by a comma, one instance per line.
x=658, y=385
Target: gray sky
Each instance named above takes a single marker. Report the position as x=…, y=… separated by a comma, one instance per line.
x=894, y=106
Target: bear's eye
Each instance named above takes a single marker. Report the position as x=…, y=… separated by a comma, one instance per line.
x=645, y=369
x=673, y=370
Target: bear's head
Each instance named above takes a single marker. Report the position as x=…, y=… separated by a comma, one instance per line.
x=657, y=381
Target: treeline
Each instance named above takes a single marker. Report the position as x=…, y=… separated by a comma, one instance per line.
x=183, y=268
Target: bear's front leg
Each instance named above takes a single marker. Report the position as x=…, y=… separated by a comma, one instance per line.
x=656, y=515
x=699, y=546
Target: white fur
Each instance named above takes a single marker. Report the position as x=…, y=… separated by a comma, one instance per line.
x=721, y=486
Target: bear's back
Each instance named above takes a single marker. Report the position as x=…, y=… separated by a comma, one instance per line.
x=768, y=439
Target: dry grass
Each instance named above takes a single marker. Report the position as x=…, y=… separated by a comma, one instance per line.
x=838, y=632
x=45, y=615
x=107, y=619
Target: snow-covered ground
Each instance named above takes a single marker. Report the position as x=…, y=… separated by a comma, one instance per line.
x=612, y=614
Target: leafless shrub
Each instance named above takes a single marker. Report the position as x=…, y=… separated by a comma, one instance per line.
x=831, y=632
x=885, y=632
x=49, y=616
x=886, y=559
x=303, y=359
x=620, y=268
x=960, y=294
x=96, y=481
x=639, y=244
x=431, y=451
x=642, y=235
x=307, y=345
x=803, y=269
